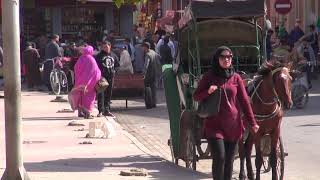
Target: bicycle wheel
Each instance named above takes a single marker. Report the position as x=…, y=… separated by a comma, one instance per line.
x=54, y=82
x=300, y=96
x=63, y=81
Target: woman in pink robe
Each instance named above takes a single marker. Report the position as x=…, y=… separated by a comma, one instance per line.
x=87, y=74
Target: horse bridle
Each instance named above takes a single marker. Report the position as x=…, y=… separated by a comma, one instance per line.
x=278, y=107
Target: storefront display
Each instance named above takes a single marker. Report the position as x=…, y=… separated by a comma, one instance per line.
x=35, y=23
x=82, y=23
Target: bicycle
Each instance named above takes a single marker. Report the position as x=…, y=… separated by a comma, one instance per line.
x=300, y=87
x=58, y=78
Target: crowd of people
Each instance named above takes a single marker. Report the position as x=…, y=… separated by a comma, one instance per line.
x=144, y=53
x=281, y=43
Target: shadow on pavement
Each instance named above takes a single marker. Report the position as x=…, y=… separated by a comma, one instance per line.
x=310, y=125
x=49, y=118
x=310, y=109
x=156, y=166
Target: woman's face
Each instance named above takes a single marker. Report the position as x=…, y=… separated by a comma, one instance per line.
x=225, y=59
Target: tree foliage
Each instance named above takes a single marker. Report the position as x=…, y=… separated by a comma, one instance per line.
x=120, y=2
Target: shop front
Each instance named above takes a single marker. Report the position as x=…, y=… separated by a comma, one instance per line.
x=74, y=20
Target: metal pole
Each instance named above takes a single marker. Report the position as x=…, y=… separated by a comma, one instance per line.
x=12, y=91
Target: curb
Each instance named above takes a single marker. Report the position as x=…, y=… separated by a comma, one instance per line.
x=138, y=144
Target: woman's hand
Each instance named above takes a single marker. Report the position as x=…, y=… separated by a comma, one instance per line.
x=255, y=128
x=212, y=88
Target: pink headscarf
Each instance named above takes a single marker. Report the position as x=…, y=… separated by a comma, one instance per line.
x=87, y=72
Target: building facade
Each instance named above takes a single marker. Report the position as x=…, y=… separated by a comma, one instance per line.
x=308, y=11
x=74, y=19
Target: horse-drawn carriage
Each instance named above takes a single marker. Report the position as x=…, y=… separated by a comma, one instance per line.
x=204, y=26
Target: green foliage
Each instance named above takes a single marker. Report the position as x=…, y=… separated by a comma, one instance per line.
x=120, y=2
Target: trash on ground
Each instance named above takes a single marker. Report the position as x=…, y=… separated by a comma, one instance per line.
x=134, y=172
x=74, y=123
x=86, y=142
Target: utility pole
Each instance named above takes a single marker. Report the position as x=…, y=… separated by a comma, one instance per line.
x=12, y=91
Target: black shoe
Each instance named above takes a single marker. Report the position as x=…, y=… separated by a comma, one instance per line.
x=80, y=114
x=109, y=114
x=100, y=114
x=88, y=116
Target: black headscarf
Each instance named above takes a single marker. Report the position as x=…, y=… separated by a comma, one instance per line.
x=216, y=68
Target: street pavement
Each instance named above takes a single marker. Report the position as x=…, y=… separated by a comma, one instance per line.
x=52, y=150
x=300, y=132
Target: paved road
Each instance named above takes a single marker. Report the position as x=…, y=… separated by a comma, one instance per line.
x=300, y=131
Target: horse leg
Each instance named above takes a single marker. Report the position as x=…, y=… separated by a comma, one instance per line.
x=248, y=150
x=259, y=159
x=242, y=174
x=273, y=155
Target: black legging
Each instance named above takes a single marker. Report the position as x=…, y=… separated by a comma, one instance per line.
x=223, y=153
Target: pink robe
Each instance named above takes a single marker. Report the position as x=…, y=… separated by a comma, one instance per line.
x=87, y=74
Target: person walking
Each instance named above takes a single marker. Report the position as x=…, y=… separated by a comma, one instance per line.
x=31, y=59
x=87, y=74
x=125, y=62
x=295, y=34
x=224, y=130
x=151, y=72
x=312, y=38
x=52, y=51
x=107, y=62
x=138, y=63
x=130, y=48
x=165, y=52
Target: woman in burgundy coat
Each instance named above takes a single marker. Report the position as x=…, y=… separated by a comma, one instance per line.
x=224, y=130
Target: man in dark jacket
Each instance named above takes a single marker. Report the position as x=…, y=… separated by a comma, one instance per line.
x=107, y=62
x=165, y=52
x=31, y=59
x=52, y=51
x=295, y=34
x=151, y=68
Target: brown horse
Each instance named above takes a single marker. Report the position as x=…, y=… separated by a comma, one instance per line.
x=271, y=94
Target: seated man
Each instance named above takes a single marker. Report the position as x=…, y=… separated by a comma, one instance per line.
x=125, y=62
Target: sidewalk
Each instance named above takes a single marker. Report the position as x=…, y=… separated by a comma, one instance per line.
x=51, y=149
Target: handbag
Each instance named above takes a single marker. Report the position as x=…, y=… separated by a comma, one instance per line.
x=101, y=85
x=211, y=105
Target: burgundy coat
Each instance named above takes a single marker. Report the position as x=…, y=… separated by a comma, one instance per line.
x=227, y=124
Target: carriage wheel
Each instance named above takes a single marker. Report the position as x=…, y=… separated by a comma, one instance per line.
x=174, y=159
x=191, y=161
x=280, y=159
x=202, y=153
x=265, y=149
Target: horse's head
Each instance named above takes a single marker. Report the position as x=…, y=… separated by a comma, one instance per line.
x=282, y=84
x=277, y=78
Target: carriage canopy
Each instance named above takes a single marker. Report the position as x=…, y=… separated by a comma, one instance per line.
x=228, y=8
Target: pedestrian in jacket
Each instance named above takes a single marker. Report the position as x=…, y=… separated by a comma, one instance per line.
x=52, y=51
x=107, y=62
x=151, y=72
x=31, y=59
x=295, y=34
x=224, y=130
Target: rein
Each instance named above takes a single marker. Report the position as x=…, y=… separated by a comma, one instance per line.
x=276, y=101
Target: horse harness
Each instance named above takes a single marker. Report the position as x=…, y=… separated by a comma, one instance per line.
x=260, y=117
